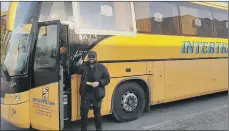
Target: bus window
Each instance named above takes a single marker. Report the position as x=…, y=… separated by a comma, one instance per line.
x=196, y=21
x=45, y=57
x=46, y=48
x=221, y=24
x=157, y=18
x=109, y=16
x=62, y=11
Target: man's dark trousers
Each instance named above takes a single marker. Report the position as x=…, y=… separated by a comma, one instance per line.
x=86, y=102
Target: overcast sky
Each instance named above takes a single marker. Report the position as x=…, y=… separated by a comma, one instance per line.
x=4, y=6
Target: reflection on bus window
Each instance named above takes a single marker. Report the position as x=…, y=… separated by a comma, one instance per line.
x=45, y=55
x=24, y=23
x=221, y=24
x=56, y=11
x=18, y=39
x=112, y=16
x=196, y=21
x=157, y=18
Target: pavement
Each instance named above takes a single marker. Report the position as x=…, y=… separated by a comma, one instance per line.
x=213, y=119
x=201, y=113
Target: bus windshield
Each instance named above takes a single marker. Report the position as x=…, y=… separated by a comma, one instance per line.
x=17, y=39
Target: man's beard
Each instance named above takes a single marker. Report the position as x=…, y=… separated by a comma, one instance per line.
x=92, y=63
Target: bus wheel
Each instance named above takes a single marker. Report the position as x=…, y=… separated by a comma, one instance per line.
x=128, y=102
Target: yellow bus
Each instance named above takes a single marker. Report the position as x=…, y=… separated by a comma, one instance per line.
x=155, y=52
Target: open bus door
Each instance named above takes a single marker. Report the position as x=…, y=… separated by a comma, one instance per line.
x=46, y=95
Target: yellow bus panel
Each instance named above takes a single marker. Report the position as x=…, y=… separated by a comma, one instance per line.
x=19, y=115
x=158, y=82
x=5, y=111
x=185, y=79
x=16, y=98
x=44, y=107
x=74, y=96
x=127, y=69
x=156, y=47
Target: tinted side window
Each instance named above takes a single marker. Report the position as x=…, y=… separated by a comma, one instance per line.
x=157, y=18
x=196, y=21
x=221, y=24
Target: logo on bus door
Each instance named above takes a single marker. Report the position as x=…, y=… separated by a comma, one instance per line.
x=45, y=93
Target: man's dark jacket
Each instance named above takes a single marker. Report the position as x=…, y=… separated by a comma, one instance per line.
x=100, y=74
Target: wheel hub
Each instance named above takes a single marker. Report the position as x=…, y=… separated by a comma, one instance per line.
x=129, y=101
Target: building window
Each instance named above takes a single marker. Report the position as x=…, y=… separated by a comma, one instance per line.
x=221, y=24
x=157, y=18
x=196, y=21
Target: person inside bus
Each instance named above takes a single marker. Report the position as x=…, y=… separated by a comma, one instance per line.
x=95, y=77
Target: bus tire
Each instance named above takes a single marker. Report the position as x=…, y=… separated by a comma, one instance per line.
x=124, y=102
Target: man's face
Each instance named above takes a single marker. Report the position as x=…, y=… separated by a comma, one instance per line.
x=92, y=58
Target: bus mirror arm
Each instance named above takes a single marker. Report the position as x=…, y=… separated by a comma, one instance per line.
x=6, y=73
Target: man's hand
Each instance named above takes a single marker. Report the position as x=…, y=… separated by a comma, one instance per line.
x=63, y=50
x=80, y=61
x=95, y=84
x=89, y=83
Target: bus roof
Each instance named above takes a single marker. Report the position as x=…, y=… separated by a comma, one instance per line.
x=218, y=5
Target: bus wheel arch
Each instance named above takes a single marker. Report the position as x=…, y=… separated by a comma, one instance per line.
x=138, y=83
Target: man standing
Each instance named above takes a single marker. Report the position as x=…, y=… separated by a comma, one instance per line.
x=92, y=88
